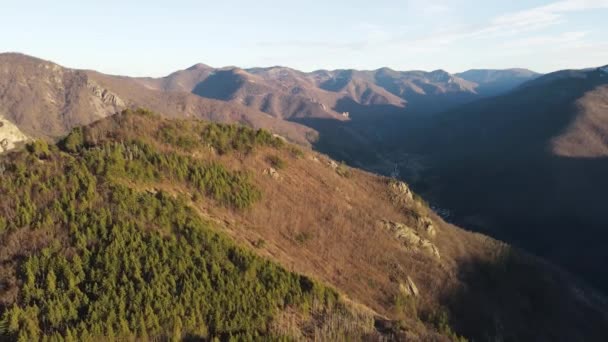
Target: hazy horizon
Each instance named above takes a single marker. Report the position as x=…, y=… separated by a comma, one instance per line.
x=154, y=39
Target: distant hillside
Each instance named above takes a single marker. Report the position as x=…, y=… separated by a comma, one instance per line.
x=352, y=114
x=358, y=115
x=141, y=227
x=288, y=93
x=44, y=99
x=182, y=80
x=495, y=82
x=529, y=167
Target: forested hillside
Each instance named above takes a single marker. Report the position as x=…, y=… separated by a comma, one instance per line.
x=142, y=227
x=87, y=253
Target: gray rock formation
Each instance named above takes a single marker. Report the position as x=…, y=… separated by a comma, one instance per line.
x=411, y=239
x=105, y=96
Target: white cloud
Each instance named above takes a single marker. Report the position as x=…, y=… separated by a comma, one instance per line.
x=575, y=5
x=553, y=41
x=542, y=16
x=515, y=33
x=507, y=25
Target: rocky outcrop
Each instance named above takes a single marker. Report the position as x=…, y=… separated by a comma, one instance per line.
x=332, y=164
x=426, y=224
x=401, y=193
x=10, y=135
x=282, y=138
x=273, y=173
x=411, y=239
x=105, y=96
x=430, y=248
x=408, y=288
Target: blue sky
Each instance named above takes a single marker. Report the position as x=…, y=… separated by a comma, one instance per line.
x=154, y=38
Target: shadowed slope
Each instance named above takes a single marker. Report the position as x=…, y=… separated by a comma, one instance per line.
x=529, y=167
x=495, y=82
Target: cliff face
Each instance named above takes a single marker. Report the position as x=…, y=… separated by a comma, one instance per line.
x=45, y=99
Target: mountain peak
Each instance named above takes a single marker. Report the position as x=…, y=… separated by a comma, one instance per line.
x=199, y=66
x=18, y=57
x=440, y=75
x=385, y=69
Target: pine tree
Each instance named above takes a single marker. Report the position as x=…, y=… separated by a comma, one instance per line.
x=177, y=330
x=51, y=282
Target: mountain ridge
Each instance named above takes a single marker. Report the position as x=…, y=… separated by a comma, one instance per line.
x=46, y=100
x=377, y=85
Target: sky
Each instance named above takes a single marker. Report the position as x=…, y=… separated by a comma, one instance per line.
x=155, y=38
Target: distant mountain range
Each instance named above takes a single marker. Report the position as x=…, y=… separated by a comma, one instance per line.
x=288, y=93
x=44, y=99
x=489, y=146
x=495, y=82
x=513, y=154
